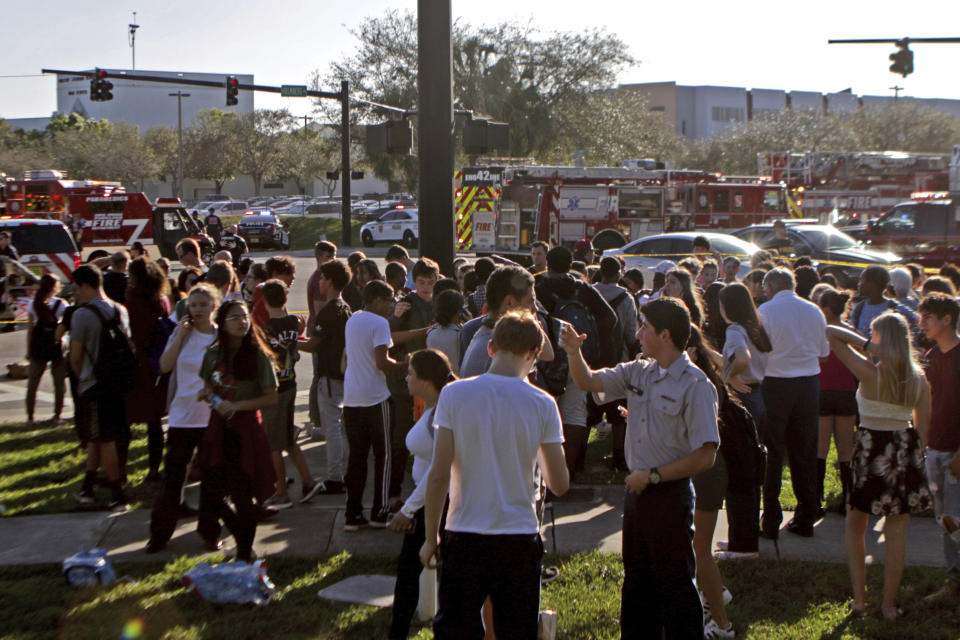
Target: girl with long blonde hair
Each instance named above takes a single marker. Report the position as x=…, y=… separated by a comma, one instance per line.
x=888, y=477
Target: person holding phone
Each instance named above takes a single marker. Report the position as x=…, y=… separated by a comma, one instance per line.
x=429, y=372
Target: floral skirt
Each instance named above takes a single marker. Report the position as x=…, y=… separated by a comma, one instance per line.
x=888, y=473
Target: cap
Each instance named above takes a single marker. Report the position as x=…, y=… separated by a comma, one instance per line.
x=664, y=266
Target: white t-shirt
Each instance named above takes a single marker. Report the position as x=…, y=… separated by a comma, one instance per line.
x=186, y=411
x=364, y=385
x=54, y=303
x=446, y=339
x=419, y=443
x=737, y=338
x=498, y=425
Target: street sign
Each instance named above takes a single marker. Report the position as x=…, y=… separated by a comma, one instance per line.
x=293, y=90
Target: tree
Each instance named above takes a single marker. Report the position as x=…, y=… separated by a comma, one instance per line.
x=305, y=155
x=210, y=148
x=510, y=72
x=905, y=126
x=162, y=142
x=257, y=138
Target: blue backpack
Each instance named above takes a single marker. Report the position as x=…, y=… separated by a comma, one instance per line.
x=572, y=311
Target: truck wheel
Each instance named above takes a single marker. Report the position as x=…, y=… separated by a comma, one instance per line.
x=409, y=240
x=367, y=239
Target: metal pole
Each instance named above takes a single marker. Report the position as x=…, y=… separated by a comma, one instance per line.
x=345, y=238
x=435, y=131
x=180, y=96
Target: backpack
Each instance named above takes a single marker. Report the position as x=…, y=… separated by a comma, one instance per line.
x=573, y=312
x=115, y=367
x=745, y=455
x=43, y=340
x=858, y=311
x=162, y=331
x=554, y=374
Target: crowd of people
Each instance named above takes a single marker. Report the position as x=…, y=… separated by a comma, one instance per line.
x=492, y=377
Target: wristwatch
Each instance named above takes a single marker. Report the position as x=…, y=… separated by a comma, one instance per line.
x=654, y=476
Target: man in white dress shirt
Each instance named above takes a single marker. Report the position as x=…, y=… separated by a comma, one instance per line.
x=791, y=392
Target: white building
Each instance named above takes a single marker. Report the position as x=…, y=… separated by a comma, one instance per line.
x=704, y=111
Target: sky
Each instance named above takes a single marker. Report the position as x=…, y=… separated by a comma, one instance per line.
x=739, y=43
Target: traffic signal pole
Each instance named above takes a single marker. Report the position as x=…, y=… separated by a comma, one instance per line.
x=435, y=131
x=345, y=176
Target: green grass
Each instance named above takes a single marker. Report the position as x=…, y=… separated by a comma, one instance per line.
x=596, y=472
x=772, y=600
x=41, y=469
x=306, y=230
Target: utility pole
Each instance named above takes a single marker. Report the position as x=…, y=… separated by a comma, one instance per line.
x=435, y=131
x=345, y=210
x=896, y=91
x=305, y=119
x=133, y=26
x=180, y=95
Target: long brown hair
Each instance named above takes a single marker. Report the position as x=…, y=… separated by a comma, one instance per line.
x=689, y=295
x=737, y=304
x=702, y=347
x=433, y=366
x=253, y=344
x=47, y=285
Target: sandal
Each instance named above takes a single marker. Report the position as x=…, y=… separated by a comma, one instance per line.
x=853, y=611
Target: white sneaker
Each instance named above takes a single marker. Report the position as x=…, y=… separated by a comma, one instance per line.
x=712, y=631
x=707, y=616
x=277, y=501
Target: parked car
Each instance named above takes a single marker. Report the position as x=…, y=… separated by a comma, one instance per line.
x=261, y=228
x=646, y=253
x=221, y=208
x=831, y=250
x=374, y=211
x=924, y=230
x=396, y=225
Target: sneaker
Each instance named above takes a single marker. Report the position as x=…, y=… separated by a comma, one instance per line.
x=355, y=524
x=277, y=501
x=707, y=616
x=310, y=490
x=378, y=521
x=330, y=487
x=230, y=553
x=119, y=505
x=723, y=545
x=86, y=496
x=155, y=546
x=712, y=630
x=736, y=555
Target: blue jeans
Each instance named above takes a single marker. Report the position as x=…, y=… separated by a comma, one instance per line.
x=659, y=567
x=945, y=488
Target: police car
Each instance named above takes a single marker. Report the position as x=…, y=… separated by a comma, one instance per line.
x=261, y=228
x=397, y=225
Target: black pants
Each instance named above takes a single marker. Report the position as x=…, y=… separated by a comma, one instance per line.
x=505, y=567
x=793, y=415
x=229, y=480
x=575, y=447
x=407, y=592
x=401, y=421
x=181, y=444
x=154, y=445
x=366, y=428
x=743, y=502
x=659, y=596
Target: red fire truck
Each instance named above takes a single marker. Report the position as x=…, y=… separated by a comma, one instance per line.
x=504, y=209
x=109, y=216
x=851, y=188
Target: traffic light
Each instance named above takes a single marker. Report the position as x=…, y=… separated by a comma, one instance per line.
x=482, y=136
x=393, y=136
x=233, y=90
x=902, y=59
x=100, y=87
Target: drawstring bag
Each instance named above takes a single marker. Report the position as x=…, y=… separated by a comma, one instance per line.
x=88, y=569
x=236, y=582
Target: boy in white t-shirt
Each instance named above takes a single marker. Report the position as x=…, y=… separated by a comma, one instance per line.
x=491, y=432
x=366, y=401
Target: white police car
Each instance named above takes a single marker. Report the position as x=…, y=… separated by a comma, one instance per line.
x=397, y=225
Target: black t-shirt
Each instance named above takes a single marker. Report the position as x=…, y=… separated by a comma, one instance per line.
x=329, y=325
x=115, y=285
x=213, y=223
x=282, y=334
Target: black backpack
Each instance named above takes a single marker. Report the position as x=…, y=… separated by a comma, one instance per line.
x=745, y=455
x=115, y=367
x=554, y=374
x=43, y=339
x=574, y=312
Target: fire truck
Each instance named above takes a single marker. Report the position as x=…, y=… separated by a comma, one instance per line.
x=851, y=188
x=503, y=210
x=108, y=215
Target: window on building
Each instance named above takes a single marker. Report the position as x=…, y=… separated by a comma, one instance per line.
x=658, y=108
x=728, y=114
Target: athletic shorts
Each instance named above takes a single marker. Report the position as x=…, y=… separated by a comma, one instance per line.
x=278, y=421
x=838, y=403
x=106, y=418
